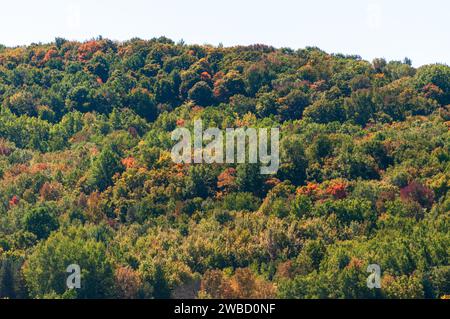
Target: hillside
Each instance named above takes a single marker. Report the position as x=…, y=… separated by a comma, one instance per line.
x=86, y=175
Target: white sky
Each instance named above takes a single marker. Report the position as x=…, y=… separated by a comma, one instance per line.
x=392, y=29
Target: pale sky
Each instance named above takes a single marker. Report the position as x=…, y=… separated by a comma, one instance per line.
x=392, y=29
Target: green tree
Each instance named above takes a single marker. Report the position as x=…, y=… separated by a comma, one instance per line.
x=293, y=160
x=41, y=221
x=45, y=269
x=249, y=178
x=325, y=111
x=104, y=167
x=11, y=280
x=201, y=93
x=143, y=103
x=438, y=75
x=293, y=105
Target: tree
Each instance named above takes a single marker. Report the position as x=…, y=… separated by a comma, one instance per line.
x=41, y=221
x=22, y=103
x=293, y=160
x=11, y=279
x=293, y=105
x=249, y=178
x=128, y=283
x=325, y=111
x=104, y=167
x=59, y=42
x=201, y=93
x=419, y=193
x=230, y=84
x=100, y=67
x=80, y=98
x=201, y=181
x=45, y=269
x=7, y=289
x=360, y=107
x=256, y=76
x=321, y=148
x=143, y=103
x=438, y=75
x=243, y=284
x=155, y=276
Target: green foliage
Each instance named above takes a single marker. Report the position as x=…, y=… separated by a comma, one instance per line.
x=45, y=271
x=201, y=93
x=143, y=103
x=41, y=221
x=437, y=75
x=103, y=168
x=86, y=175
x=293, y=160
x=11, y=278
x=241, y=201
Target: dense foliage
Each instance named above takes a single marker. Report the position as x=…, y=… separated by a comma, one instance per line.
x=86, y=175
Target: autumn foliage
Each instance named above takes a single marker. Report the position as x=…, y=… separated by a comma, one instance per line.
x=87, y=176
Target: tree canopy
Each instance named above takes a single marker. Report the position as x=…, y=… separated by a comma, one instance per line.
x=86, y=175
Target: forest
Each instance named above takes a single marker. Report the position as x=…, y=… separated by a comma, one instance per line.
x=86, y=175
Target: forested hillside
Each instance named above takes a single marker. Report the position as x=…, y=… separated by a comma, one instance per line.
x=86, y=175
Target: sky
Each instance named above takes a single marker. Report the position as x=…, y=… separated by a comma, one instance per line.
x=392, y=29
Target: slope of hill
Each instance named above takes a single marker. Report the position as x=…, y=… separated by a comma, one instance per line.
x=86, y=175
